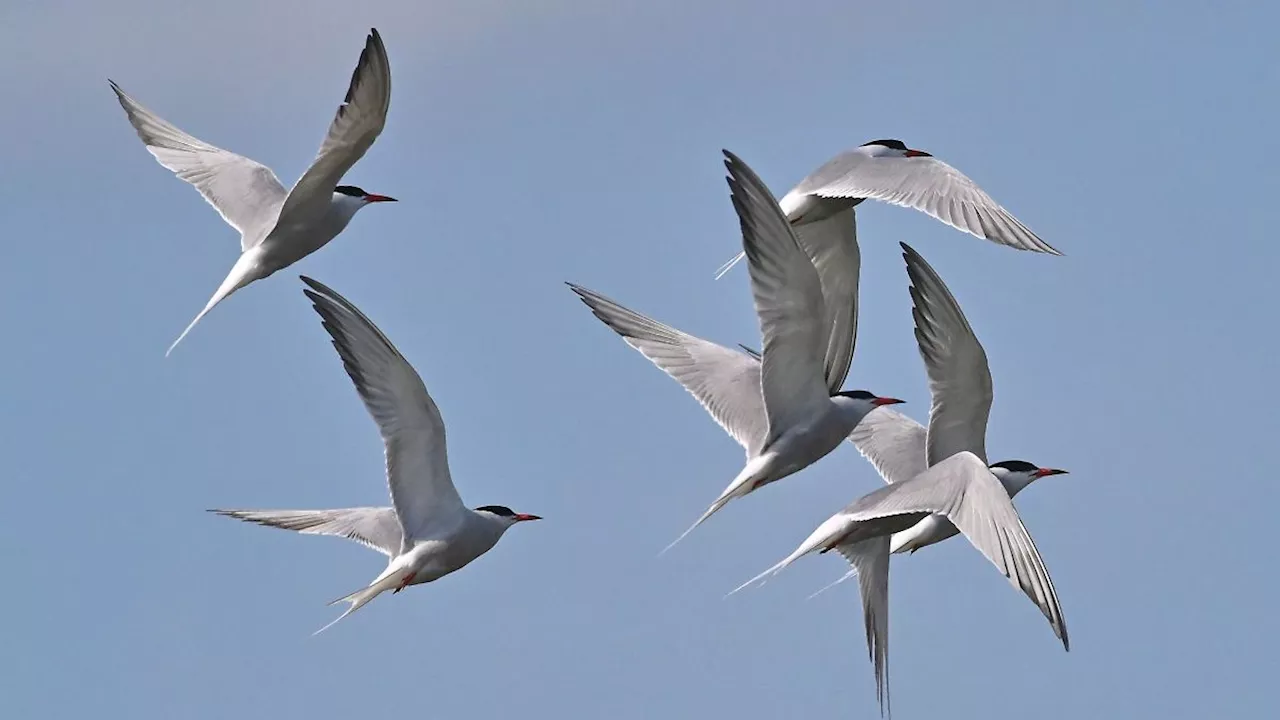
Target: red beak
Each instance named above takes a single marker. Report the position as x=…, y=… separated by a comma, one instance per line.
x=521, y=517
x=370, y=197
x=886, y=401
x=917, y=153
x=1043, y=472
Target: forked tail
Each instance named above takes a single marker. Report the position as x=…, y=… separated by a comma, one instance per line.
x=729, y=265
x=771, y=571
x=715, y=506
x=242, y=273
x=358, y=599
x=745, y=482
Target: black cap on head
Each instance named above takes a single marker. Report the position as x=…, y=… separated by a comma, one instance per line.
x=500, y=510
x=895, y=144
x=857, y=394
x=351, y=190
x=1016, y=466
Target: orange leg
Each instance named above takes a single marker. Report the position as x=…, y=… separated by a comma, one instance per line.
x=404, y=583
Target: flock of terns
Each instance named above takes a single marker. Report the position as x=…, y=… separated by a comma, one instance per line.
x=784, y=403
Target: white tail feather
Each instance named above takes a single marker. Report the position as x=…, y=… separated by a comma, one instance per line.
x=729, y=265
x=390, y=578
x=771, y=571
x=751, y=473
x=245, y=271
x=715, y=506
x=851, y=574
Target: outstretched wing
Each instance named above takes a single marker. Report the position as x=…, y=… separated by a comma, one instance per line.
x=358, y=122
x=374, y=527
x=244, y=192
x=789, y=303
x=870, y=560
x=893, y=443
x=926, y=184
x=412, y=430
x=963, y=489
x=832, y=246
x=725, y=382
x=959, y=377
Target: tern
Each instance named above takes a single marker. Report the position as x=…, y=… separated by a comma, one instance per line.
x=278, y=227
x=960, y=378
x=939, y=478
x=427, y=532
x=787, y=411
x=889, y=171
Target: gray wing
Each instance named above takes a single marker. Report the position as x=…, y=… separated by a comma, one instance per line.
x=358, y=122
x=959, y=377
x=374, y=527
x=724, y=381
x=412, y=430
x=893, y=443
x=832, y=247
x=963, y=489
x=870, y=560
x=244, y=192
x=926, y=184
x=789, y=303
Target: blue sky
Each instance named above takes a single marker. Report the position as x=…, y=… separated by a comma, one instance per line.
x=536, y=143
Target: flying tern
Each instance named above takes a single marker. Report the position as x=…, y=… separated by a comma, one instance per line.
x=890, y=171
x=278, y=227
x=427, y=532
x=787, y=411
x=939, y=478
x=960, y=380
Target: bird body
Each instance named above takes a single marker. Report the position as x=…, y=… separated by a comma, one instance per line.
x=939, y=481
x=427, y=533
x=786, y=410
x=278, y=227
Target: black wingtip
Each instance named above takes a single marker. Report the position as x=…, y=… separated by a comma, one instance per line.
x=315, y=285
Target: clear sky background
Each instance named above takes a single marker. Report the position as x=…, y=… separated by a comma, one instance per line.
x=533, y=143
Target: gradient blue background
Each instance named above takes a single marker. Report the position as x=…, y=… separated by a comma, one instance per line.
x=532, y=143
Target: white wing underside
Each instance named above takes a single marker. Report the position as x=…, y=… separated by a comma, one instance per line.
x=412, y=429
x=789, y=304
x=376, y=528
x=870, y=562
x=963, y=489
x=832, y=246
x=357, y=123
x=245, y=193
x=926, y=184
x=959, y=376
x=893, y=443
x=725, y=382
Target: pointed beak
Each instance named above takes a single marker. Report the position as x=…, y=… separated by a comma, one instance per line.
x=521, y=517
x=1045, y=472
x=917, y=153
x=378, y=198
x=886, y=401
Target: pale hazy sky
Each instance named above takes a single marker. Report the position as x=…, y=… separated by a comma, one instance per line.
x=531, y=144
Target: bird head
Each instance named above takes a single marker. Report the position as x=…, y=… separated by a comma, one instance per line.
x=892, y=148
x=862, y=402
x=354, y=198
x=1017, y=474
x=505, y=515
